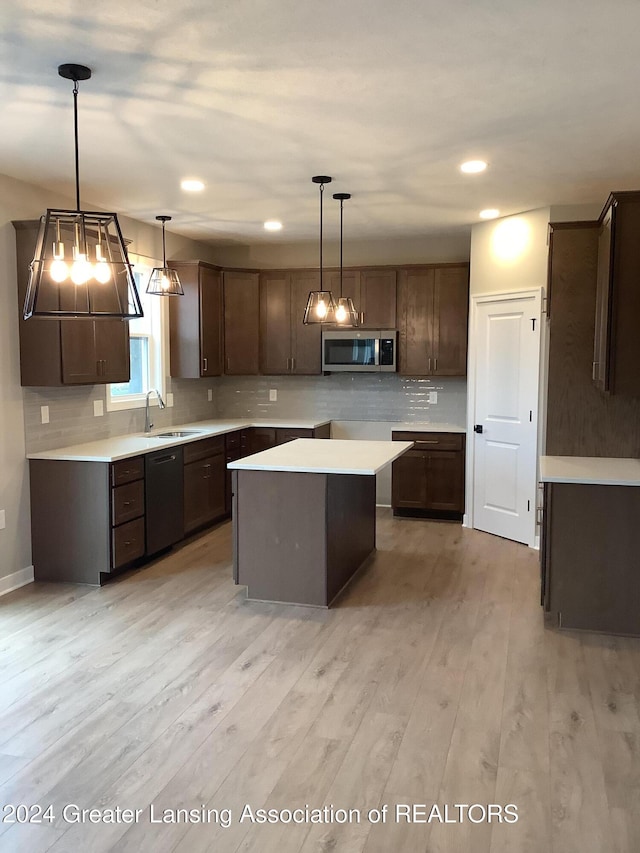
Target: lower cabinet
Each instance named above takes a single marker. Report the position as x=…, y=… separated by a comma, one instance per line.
x=204, y=482
x=428, y=480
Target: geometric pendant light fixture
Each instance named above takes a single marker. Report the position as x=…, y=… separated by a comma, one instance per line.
x=80, y=268
x=320, y=304
x=345, y=313
x=164, y=281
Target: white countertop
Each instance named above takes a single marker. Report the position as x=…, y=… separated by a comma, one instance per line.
x=325, y=456
x=125, y=446
x=590, y=470
x=427, y=427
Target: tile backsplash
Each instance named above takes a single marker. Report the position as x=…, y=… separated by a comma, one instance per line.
x=343, y=397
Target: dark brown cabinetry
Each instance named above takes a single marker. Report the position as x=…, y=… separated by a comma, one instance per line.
x=195, y=321
x=589, y=562
x=204, y=482
x=617, y=343
x=377, y=306
x=287, y=345
x=66, y=352
x=429, y=478
x=432, y=320
x=241, y=323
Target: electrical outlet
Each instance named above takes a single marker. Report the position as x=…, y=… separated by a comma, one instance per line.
x=433, y=396
x=98, y=408
x=209, y=395
x=44, y=414
x=273, y=395
x=169, y=400
x=3, y=520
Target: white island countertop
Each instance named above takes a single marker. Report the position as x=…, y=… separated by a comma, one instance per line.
x=126, y=446
x=325, y=456
x=590, y=470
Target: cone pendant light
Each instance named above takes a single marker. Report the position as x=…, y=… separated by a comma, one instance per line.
x=163, y=280
x=345, y=313
x=320, y=305
x=80, y=268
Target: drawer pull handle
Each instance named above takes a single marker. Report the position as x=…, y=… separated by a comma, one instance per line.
x=433, y=441
x=127, y=503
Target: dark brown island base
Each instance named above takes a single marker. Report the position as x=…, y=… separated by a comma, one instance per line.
x=304, y=517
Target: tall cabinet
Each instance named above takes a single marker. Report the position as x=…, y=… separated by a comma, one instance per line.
x=195, y=321
x=241, y=323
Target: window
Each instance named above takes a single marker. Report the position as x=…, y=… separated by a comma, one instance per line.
x=147, y=343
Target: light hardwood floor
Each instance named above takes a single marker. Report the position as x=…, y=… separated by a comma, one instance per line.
x=435, y=680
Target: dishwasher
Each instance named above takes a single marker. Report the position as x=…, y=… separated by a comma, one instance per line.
x=164, y=499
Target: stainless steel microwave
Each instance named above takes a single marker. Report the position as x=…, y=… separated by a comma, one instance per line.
x=359, y=350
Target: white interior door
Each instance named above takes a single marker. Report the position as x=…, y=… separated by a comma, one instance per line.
x=507, y=366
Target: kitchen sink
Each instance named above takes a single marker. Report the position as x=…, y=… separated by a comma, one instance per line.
x=176, y=433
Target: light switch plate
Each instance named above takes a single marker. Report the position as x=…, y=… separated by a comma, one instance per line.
x=169, y=400
x=209, y=395
x=98, y=408
x=44, y=414
x=273, y=395
x=433, y=396
x=3, y=520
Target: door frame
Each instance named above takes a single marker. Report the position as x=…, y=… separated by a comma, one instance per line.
x=501, y=296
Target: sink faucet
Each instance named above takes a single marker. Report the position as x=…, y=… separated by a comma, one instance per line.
x=148, y=426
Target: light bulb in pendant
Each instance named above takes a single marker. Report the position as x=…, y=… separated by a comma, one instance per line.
x=101, y=271
x=341, y=314
x=81, y=269
x=321, y=308
x=58, y=270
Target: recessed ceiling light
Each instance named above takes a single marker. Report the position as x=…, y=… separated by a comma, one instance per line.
x=472, y=167
x=489, y=213
x=192, y=185
x=272, y=225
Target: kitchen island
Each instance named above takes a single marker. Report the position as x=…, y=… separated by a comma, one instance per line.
x=304, y=517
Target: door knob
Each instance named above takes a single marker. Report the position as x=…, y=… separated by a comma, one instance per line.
x=478, y=428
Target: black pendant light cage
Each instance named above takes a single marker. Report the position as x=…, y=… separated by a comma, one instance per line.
x=345, y=313
x=163, y=280
x=320, y=303
x=80, y=268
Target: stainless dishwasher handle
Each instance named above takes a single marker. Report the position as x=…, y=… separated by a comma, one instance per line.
x=163, y=459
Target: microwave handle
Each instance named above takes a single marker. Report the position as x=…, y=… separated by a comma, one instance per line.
x=376, y=351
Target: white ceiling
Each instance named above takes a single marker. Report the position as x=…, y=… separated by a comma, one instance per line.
x=255, y=97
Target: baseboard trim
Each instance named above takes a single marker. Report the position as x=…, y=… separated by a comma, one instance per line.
x=16, y=580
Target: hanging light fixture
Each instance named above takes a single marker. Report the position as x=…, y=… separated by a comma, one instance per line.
x=164, y=281
x=320, y=305
x=80, y=268
x=345, y=313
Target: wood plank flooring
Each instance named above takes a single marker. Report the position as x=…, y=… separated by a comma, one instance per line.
x=435, y=680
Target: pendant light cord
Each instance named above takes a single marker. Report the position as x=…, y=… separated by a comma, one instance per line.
x=341, y=209
x=321, y=194
x=75, y=137
x=164, y=250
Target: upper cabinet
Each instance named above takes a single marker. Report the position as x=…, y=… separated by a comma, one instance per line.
x=287, y=346
x=617, y=343
x=241, y=323
x=195, y=321
x=432, y=320
x=66, y=352
x=377, y=299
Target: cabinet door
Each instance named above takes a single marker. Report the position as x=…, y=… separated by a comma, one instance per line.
x=112, y=350
x=415, y=321
x=378, y=299
x=450, y=312
x=306, y=345
x=262, y=438
x=80, y=363
x=204, y=491
x=241, y=323
x=409, y=481
x=445, y=480
x=275, y=322
x=210, y=322
x=217, y=480
x=601, y=347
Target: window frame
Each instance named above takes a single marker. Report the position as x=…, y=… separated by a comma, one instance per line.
x=157, y=334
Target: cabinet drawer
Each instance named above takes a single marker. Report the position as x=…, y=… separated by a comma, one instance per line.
x=127, y=470
x=201, y=449
x=127, y=502
x=431, y=440
x=233, y=440
x=285, y=435
x=127, y=543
